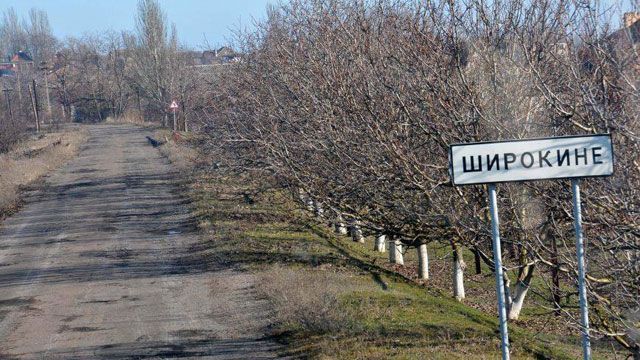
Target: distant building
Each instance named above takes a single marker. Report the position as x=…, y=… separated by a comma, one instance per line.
x=223, y=55
x=22, y=61
x=624, y=44
x=227, y=55
x=7, y=69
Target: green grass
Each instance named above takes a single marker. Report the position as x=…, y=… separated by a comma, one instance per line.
x=378, y=314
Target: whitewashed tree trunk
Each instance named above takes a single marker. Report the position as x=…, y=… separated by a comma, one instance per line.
x=395, y=252
x=458, y=274
x=340, y=227
x=522, y=287
x=399, y=256
x=381, y=241
x=302, y=196
x=517, y=301
x=356, y=232
x=310, y=206
x=423, y=262
x=318, y=209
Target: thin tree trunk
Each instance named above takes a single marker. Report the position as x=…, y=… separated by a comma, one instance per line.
x=34, y=105
x=46, y=91
x=395, y=252
x=356, y=232
x=423, y=262
x=184, y=115
x=381, y=241
x=522, y=287
x=477, y=261
x=302, y=196
x=458, y=273
x=517, y=301
x=318, y=209
x=340, y=227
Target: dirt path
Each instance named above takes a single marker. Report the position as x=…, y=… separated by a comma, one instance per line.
x=102, y=262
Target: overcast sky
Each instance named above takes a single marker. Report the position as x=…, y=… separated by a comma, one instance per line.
x=194, y=19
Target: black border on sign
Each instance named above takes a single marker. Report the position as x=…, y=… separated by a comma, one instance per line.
x=613, y=158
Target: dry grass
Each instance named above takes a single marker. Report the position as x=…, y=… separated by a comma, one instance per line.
x=176, y=148
x=333, y=298
x=309, y=300
x=29, y=160
x=129, y=117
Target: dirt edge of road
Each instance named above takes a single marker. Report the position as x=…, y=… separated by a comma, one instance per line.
x=29, y=161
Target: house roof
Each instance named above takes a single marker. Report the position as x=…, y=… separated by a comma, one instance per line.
x=627, y=37
x=226, y=51
x=21, y=56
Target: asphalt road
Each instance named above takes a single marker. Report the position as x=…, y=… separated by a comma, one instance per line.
x=104, y=262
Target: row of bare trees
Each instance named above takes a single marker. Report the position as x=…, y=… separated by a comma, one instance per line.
x=352, y=106
x=129, y=74
x=96, y=76
x=20, y=92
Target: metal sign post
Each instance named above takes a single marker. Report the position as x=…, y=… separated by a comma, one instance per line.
x=174, y=107
x=563, y=157
x=175, y=123
x=582, y=290
x=497, y=260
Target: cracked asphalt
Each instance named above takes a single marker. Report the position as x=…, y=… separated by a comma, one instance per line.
x=103, y=262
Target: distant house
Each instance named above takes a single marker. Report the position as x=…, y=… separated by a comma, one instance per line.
x=7, y=69
x=624, y=44
x=193, y=58
x=22, y=61
x=208, y=56
x=223, y=55
x=227, y=55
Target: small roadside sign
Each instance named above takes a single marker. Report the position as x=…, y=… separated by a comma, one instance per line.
x=174, y=107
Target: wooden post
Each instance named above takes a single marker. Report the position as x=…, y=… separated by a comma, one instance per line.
x=8, y=98
x=34, y=103
x=45, y=68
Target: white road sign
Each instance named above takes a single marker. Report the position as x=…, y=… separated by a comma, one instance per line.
x=174, y=105
x=532, y=159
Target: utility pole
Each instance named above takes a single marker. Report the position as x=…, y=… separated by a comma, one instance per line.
x=8, y=98
x=45, y=68
x=19, y=83
x=34, y=103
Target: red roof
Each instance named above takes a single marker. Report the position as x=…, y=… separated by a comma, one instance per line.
x=21, y=56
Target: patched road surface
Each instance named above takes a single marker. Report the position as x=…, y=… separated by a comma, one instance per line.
x=104, y=262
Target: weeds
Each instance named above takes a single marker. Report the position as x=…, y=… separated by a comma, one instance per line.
x=31, y=159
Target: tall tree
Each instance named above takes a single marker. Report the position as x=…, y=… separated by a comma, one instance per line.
x=152, y=54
